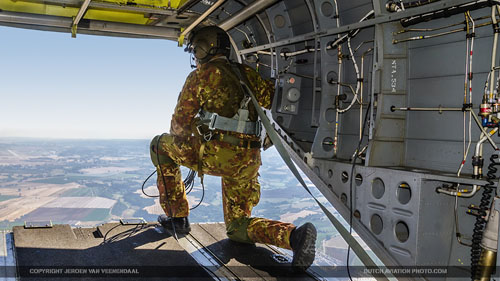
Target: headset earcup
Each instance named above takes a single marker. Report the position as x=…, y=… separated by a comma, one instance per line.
x=201, y=49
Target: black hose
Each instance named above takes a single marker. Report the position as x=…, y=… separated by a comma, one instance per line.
x=444, y=13
x=477, y=235
x=418, y=3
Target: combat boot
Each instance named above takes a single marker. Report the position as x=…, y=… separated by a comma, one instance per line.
x=303, y=242
x=181, y=224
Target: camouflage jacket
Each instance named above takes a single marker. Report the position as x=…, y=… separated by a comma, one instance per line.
x=215, y=87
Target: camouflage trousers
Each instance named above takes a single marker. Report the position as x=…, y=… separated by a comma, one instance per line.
x=238, y=168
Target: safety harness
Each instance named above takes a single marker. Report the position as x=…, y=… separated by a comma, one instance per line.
x=239, y=123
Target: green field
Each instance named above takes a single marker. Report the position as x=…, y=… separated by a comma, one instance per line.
x=97, y=215
x=7, y=197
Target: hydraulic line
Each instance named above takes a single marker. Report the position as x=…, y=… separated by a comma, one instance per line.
x=352, y=33
x=468, y=85
x=447, y=12
x=459, y=192
x=444, y=109
x=465, y=192
x=437, y=28
x=358, y=77
x=477, y=235
x=494, y=50
x=362, y=43
x=422, y=37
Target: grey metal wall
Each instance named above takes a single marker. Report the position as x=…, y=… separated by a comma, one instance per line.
x=395, y=204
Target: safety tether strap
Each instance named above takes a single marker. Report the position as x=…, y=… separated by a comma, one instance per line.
x=360, y=252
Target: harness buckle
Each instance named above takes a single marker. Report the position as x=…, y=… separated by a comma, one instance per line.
x=208, y=136
x=258, y=128
x=211, y=125
x=199, y=130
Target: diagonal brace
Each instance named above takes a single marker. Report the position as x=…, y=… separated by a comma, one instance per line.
x=78, y=17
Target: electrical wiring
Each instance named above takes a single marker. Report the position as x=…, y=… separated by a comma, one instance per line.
x=351, y=189
x=188, y=183
x=144, y=183
x=352, y=33
x=362, y=43
x=339, y=72
x=361, y=91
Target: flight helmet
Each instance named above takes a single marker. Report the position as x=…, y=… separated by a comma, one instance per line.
x=206, y=42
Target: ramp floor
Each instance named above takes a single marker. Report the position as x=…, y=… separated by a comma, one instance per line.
x=136, y=252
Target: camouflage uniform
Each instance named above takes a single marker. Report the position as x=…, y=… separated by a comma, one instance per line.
x=215, y=88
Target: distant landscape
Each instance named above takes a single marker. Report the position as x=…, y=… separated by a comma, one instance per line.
x=89, y=182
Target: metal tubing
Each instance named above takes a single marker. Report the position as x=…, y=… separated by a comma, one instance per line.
x=483, y=130
x=426, y=109
x=82, y=11
x=246, y=13
x=201, y=18
x=64, y=23
x=478, y=122
x=493, y=52
x=79, y=16
x=478, y=151
x=460, y=193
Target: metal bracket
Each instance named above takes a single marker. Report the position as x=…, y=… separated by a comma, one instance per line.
x=78, y=17
x=37, y=224
x=133, y=221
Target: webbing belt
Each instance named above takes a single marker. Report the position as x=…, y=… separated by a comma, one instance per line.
x=215, y=121
x=360, y=252
x=236, y=141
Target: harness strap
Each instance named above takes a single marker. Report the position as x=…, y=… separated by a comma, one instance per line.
x=240, y=125
x=200, y=160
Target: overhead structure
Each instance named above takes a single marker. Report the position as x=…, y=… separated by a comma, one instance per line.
x=391, y=108
x=201, y=18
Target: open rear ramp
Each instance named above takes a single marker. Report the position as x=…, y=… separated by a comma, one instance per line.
x=139, y=251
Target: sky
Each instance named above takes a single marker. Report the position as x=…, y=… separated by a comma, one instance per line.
x=55, y=86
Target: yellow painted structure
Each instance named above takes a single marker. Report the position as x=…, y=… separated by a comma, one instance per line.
x=121, y=16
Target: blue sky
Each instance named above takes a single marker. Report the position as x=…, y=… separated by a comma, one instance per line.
x=52, y=85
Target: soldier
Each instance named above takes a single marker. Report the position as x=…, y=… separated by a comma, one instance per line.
x=214, y=130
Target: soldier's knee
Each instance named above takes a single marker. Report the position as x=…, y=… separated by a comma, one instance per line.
x=237, y=230
x=156, y=158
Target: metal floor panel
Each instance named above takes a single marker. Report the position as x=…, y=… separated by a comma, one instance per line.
x=256, y=262
x=147, y=247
